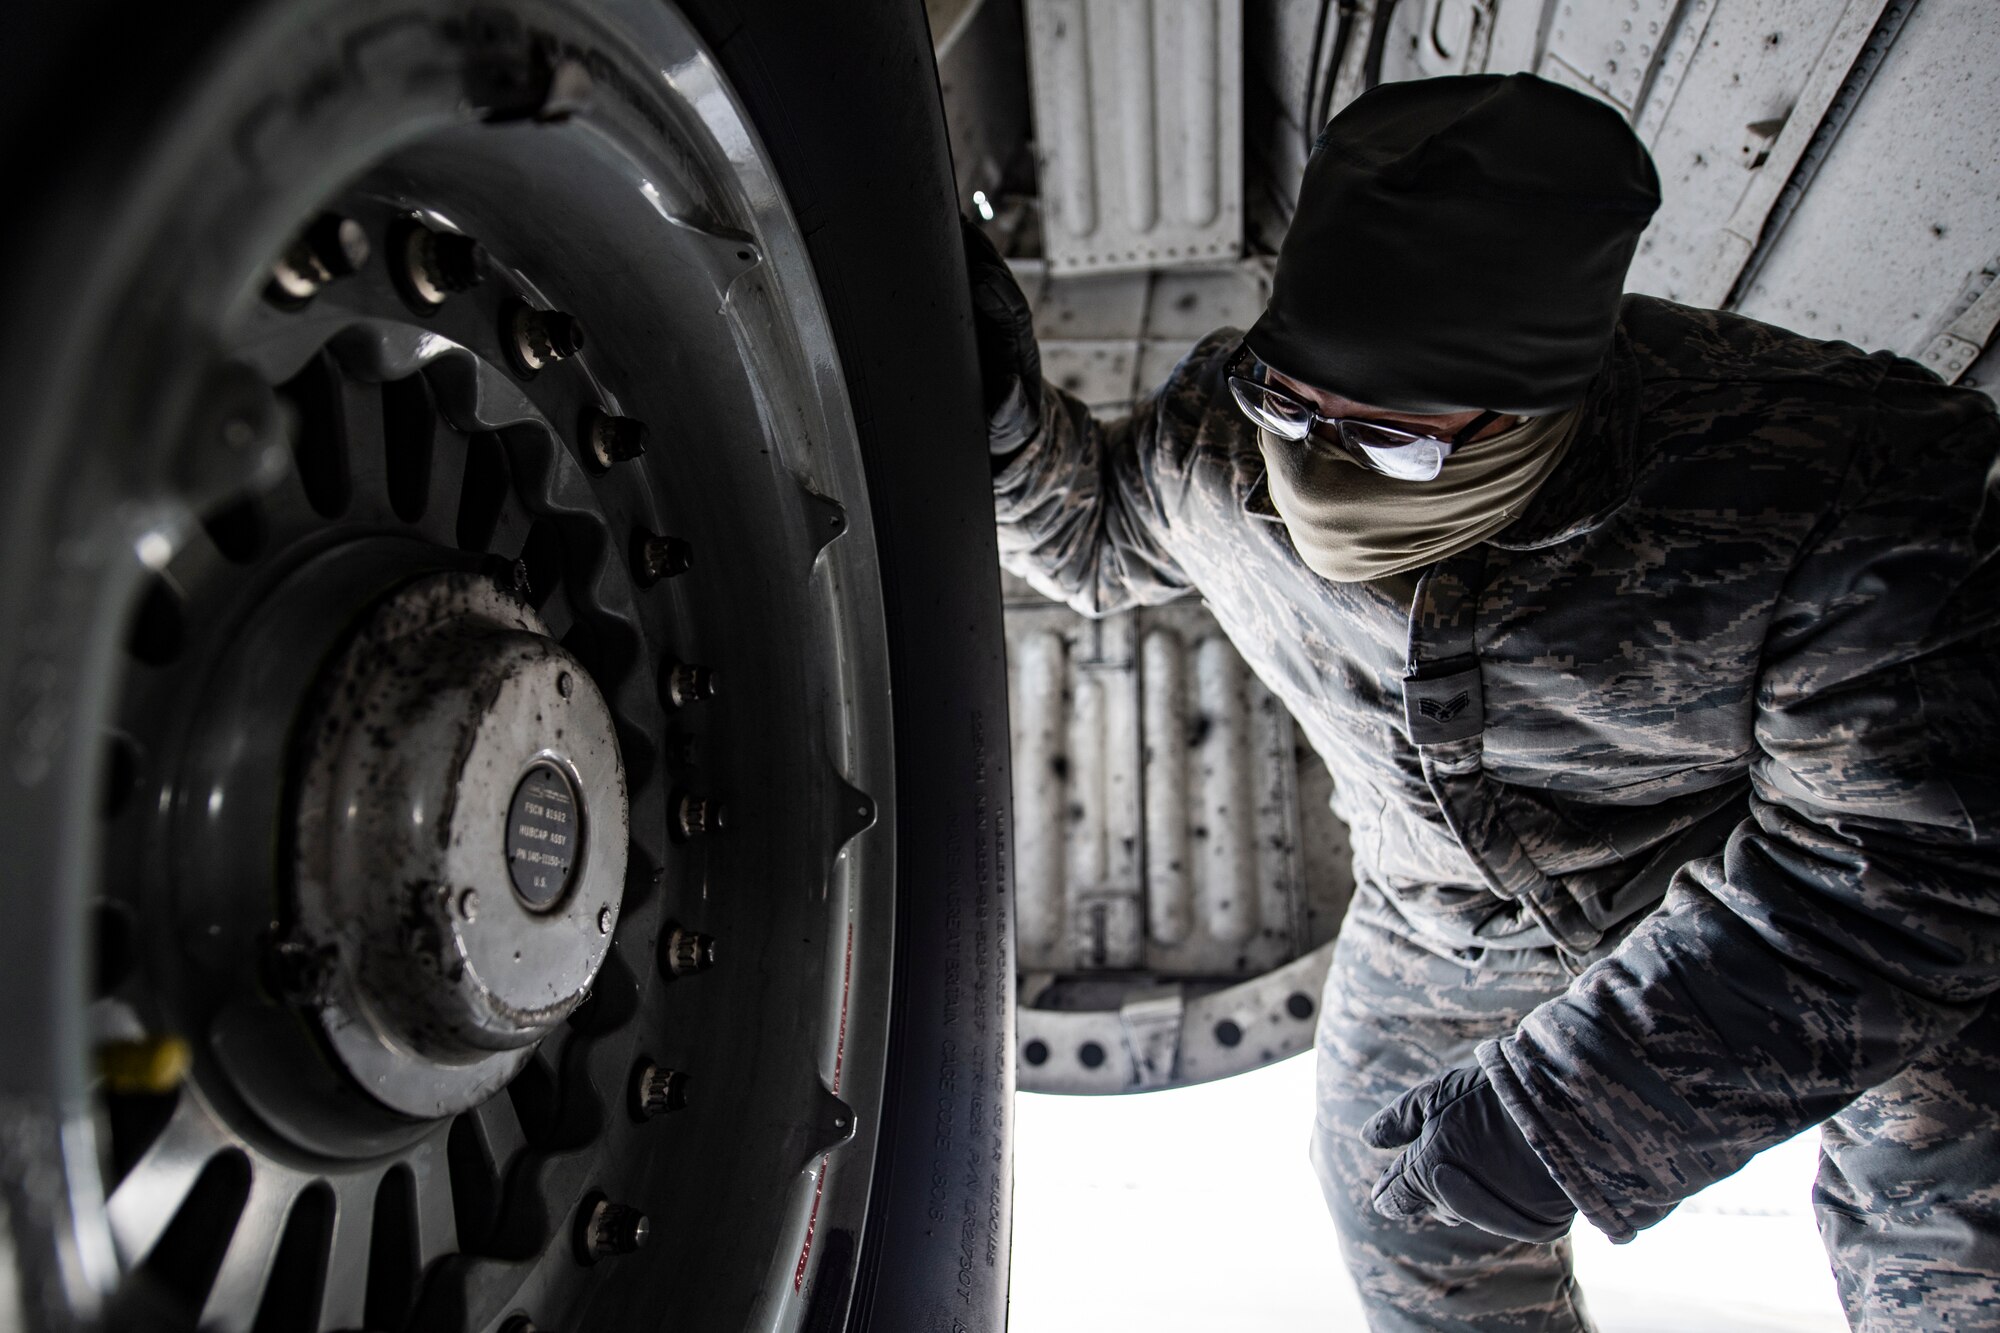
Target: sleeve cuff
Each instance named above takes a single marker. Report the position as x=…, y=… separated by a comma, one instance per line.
x=1562, y=1164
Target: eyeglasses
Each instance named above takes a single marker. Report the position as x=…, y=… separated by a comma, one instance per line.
x=1402, y=454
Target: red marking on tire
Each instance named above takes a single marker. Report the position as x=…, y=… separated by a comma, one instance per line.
x=839, y=1058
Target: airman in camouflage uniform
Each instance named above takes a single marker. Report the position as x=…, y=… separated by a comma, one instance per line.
x=1672, y=800
x=1709, y=855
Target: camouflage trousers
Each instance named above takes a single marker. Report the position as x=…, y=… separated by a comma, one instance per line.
x=1908, y=1195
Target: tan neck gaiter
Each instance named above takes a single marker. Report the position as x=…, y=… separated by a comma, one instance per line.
x=1351, y=523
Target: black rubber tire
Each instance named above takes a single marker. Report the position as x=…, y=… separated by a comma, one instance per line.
x=846, y=100
x=860, y=143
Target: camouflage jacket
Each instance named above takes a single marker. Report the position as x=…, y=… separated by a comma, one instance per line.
x=1732, y=672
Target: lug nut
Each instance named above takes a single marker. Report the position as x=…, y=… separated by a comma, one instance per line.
x=659, y=557
x=657, y=1091
x=614, y=439
x=614, y=1229
x=332, y=247
x=688, y=683
x=688, y=952
x=701, y=814
x=438, y=263
x=540, y=338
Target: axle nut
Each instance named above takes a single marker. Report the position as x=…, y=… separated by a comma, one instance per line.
x=701, y=814
x=436, y=264
x=614, y=1229
x=657, y=1091
x=688, y=683
x=657, y=557
x=688, y=952
x=332, y=247
x=614, y=439
x=540, y=338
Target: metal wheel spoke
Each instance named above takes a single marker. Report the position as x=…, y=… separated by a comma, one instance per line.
x=367, y=446
x=510, y=534
x=440, y=521
x=198, y=559
x=437, y=1226
x=343, y=1295
x=557, y=613
x=253, y=1247
x=555, y=1049
x=287, y=510
x=500, y=1134
x=237, y=442
x=153, y=1190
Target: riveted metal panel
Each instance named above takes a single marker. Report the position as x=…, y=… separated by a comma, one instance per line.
x=1100, y=371
x=1157, y=781
x=1035, y=676
x=1784, y=150
x=1165, y=849
x=1109, y=338
x=1138, y=109
x=1902, y=220
x=1431, y=38
x=1606, y=46
x=1173, y=1036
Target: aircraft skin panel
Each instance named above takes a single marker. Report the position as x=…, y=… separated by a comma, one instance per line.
x=1708, y=154
x=1905, y=210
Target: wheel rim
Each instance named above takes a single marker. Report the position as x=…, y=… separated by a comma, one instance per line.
x=356, y=443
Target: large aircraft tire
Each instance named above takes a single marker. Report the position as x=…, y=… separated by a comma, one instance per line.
x=302, y=479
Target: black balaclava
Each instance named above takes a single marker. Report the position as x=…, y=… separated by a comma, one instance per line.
x=1460, y=243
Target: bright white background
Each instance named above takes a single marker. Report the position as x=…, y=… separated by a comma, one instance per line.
x=1197, y=1210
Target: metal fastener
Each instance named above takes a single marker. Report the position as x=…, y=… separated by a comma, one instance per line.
x=604, y=919
x=659, y=557
x=332, y=247
x=613, y=439
x=292, y=970
x=468, y=905
x=657, y=1091
x=701, y=814
x=687, y=951
x=689, y=683
x=437, y=263
x=150, y=1065
x=540, y=338
x=614, y=1229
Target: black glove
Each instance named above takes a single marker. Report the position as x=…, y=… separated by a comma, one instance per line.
x=1010, y=365
x=1467, y=1161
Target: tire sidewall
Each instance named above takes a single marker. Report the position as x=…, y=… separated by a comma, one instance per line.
x=846, y=100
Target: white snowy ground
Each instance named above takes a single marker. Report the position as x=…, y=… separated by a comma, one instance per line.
x=1196, y=1209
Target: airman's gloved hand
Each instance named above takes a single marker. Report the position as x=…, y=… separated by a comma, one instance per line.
x=1467, y=1161
x=1009, y=362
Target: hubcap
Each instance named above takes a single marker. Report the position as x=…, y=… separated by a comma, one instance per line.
x=446, y=757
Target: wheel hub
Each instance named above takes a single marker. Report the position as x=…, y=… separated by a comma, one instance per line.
x=461, y=835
